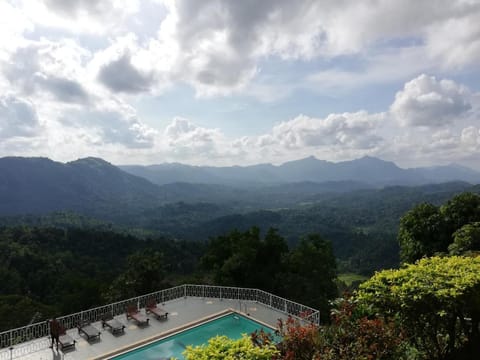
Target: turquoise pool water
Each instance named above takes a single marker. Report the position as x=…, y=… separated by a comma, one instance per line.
x=232, y=325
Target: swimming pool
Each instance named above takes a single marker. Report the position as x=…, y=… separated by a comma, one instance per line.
x=231, y=325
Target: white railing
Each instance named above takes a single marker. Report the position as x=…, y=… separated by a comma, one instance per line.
x=16, y=336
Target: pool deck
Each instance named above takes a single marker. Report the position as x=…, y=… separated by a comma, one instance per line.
x=182, y=313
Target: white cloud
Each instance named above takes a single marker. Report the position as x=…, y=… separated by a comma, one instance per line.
x=185, y=139
x=426, y=101
x=220, y=43
x=456, y=41
x=80, y=16
x=347, y=131
x=470, y=137
x=110, y=127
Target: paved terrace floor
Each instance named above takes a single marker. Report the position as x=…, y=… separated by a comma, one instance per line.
x=181, y=313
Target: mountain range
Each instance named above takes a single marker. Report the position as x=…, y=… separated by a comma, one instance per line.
x=95, y=187
x=367, y=170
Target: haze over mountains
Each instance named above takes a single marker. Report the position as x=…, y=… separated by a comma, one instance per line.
x=368, y=170
x=94, y=186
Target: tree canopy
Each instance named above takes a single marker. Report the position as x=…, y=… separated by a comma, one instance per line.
x=427, y=229
x=223, y=348
x=437, y=301
x=305, y=273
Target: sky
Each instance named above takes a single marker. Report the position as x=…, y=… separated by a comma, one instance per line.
x=231, y=82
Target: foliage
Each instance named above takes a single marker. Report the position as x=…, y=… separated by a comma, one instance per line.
x=466, y=239
x=428, y=229
x=299, y=341
x=432, y=300
x=353, y=335
x=235, y=259
x=68, y=270
x=422, y=233
x=144, y=274
x=18, y=310
x=311, y=274
x=223, y=348
x=305, y=274
x=460, y=210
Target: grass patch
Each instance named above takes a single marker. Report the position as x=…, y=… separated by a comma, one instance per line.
x=348, y=278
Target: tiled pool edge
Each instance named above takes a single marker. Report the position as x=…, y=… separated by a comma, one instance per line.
x=178, y=330
x=166, y=334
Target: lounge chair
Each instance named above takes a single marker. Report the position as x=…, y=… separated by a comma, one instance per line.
x=133, y=313
x=90, y=331
x=65, y=340
x=113, y=324
x=156, y=310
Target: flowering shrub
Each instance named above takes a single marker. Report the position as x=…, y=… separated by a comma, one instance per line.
x=353, y=335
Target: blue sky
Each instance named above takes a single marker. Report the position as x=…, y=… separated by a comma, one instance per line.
x=224, y=82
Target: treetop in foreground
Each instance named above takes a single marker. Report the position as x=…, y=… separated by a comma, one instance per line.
x=437, y=300
x=223, y=348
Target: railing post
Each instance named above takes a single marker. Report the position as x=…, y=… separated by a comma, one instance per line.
x=270, y=300
x=220, y=294
x=285, y=304
x=185, y=291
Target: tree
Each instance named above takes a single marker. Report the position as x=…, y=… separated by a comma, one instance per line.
x=466, y=240
x=245, y=259
x=311, y=273
x=144, y=274
x=223, y=348
x=432, y=299
x=461, y=210
x=422, y=233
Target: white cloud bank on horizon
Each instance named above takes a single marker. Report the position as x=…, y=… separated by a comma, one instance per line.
x=70, y=72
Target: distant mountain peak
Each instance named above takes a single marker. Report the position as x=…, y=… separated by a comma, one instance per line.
x=91, y=161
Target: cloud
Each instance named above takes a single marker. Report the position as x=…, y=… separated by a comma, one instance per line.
x=102, y=127
x=220, y=43
x=456, y=41
x=426, y=101
x=187, y=139
x=347, y=130
x=81, y=16
x=121, y=76
x=74, y=8
x=65, y=90
x=54, y=68
x=470, y=137
x=18, y=118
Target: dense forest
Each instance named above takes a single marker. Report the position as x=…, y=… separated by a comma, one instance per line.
x=63, y=263
x=48, y=271
x=362, y=225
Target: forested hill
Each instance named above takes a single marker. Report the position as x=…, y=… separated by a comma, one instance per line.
x=362, y=225
x=91, y=186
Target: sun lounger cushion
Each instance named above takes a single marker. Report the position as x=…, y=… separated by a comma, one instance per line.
x=114, y=325
x=66, y=341
x=158, y=312
x=138, y=317
x=89, y=331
